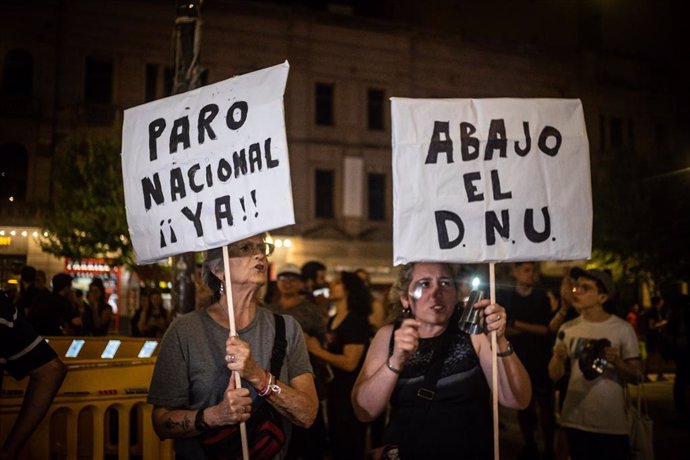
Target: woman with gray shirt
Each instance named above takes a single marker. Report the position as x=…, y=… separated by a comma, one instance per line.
x=193, y=392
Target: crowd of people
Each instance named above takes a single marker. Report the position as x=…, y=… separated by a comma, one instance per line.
x=62, y=310
x=329, y=369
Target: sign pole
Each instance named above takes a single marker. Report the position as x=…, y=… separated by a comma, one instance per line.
x=494, y=363
x=233, y=331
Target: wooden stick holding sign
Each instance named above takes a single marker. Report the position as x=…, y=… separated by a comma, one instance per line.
x=233, y=331
x=494, y=363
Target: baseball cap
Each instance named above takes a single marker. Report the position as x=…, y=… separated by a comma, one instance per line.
x=289, y=269
x=597, y=275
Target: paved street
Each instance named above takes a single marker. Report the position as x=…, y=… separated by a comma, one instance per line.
x=671, y=433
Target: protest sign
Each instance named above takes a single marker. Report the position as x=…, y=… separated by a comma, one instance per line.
x=207, y=167
x=488, y=180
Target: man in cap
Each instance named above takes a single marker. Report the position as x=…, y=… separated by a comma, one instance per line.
x=54, y=313
x=604, y=356
x=305, y=442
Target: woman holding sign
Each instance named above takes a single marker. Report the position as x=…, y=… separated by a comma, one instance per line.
x=193, y=391
x=435, y=375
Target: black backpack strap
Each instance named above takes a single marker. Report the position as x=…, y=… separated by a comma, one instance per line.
x=279, y=346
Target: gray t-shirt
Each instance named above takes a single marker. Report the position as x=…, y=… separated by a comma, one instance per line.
x=191, y=372
x=307, y=314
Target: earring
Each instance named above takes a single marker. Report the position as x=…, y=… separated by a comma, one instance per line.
x=222, y=288
x=407, y=312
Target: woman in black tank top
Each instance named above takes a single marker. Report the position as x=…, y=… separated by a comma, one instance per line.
x=434, y=375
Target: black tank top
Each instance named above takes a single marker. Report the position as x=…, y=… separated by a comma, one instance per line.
x=456, y=423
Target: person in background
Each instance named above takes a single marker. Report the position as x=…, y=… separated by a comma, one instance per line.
x=154, y=319
x=564, y=312
x=307, y=443
x=27, y=290
x=102, y=311
x=347, y=339
x=426, y=353
x=633, y=316
x=85, y=313
x=54, y=313
x=41, y=281
x=377, y=318
x=604, y=356
x=380, y=315
x=22, y=353
x=529, y=311
x=678, y=329
x=193, y=387
x=651, y=324
x=315, y=285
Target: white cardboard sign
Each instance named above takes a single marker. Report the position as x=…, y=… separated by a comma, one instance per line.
x=488, y=180
x=207, y=167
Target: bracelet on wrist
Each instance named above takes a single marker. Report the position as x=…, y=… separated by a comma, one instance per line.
x=508, y=351
x=266, y=388
x=390, y=366
x=271, y=387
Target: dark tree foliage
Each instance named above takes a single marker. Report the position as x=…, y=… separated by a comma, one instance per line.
x=637, y=222
x=87, y=216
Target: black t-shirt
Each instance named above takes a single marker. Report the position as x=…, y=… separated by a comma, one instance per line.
x=354, y=329
x=534, y=350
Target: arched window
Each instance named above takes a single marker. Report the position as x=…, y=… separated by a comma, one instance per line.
x=14, y=167
x=18, y=73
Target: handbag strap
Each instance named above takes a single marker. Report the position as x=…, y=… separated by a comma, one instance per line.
x=640, y=403
x=279, y=346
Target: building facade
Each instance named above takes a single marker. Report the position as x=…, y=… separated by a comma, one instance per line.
x=72, y=66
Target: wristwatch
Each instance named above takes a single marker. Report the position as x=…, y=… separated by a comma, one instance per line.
x=509, y=351
x=199, y=423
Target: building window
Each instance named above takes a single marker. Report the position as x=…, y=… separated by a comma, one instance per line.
x=324, y=186
x=98, y=81
x=159, y=81
x=18, y=74
x=376, y=187
x=324, y=104
x=375, y=102
x=13, y=173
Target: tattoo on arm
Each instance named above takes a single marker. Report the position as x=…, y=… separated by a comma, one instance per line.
x=175, y=425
